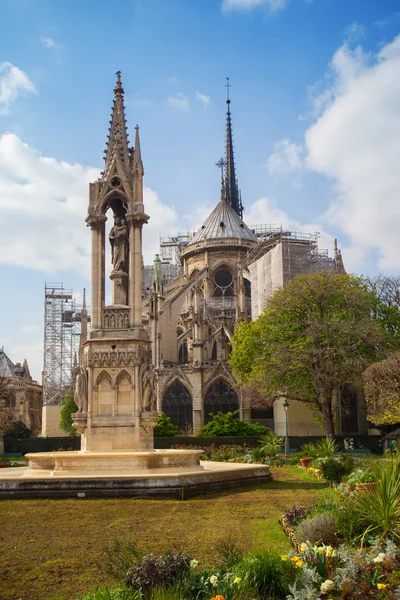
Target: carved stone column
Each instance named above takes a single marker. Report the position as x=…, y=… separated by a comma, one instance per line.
x=97, y=225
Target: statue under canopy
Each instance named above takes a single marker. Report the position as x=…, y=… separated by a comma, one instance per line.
x=119, y=241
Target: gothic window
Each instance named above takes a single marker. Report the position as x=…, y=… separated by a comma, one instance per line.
x=214, y=351
x=183, y=354
x=220, y=397
x=262, y=414
x=247, y=288
x=177, y=404
x=223, y=283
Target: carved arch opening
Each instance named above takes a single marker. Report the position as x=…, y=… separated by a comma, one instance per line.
x=124, y=393
x=220, y=396
x=178, y=405
x=104, y=394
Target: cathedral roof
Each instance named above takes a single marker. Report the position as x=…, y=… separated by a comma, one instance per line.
x=7, y=367
x=223, y=222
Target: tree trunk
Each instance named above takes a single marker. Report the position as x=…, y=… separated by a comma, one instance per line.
x=326, y=408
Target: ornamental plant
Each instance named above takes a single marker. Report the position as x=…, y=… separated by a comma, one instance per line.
x=266, y=574
x=165, y=427
x=379, y=508
x=322, y=558
x=271, y=443
x=228, y=424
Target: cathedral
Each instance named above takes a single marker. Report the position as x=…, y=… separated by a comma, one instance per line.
x=189, y=301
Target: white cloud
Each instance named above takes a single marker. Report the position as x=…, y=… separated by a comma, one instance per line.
x=286, y=157
x=205, y=100
x=47, y=42
x=245, y=5
x=43, y=203
x=13, y=82
x=355, y=31
x=356, y=144
x=179, y=101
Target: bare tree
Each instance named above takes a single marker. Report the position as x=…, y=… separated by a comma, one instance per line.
x=6, y=400
x=386, y=288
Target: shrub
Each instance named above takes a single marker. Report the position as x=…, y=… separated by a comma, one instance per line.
x=295, y=514
x=308, y=450
x=266, y=574
x=334, y=469
x=17, y=430
x=119, y=557
x=229, y=552
x=227, y=424
x=379, y=507
x=271, y=443
x=156, y=571
x=348, y=523
x=318, y=529
x=327, y=448
x=117, y=593
x=165, y=427
x=68, y=409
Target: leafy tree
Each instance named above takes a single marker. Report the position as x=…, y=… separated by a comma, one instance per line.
x=315, y=335
x=68, y=409
x=382, y=391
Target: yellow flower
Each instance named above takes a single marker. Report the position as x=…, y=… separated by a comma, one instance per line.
x=295, y=558
x=303, y=547
x=213, y=579
x=284, y=557
x=321, y=550
x=329, y=550
x=381, y=586
x=299, y=563
x=237, y=580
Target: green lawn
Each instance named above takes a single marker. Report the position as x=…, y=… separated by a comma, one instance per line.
x=52, y=549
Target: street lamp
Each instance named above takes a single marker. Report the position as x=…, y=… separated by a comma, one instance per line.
x=285, y=408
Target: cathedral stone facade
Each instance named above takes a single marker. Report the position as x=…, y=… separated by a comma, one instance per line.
x=192, y=318
x=25, y=400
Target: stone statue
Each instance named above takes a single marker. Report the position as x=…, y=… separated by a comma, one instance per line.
x=119, y=240
x=149, y=392
x=81, y=392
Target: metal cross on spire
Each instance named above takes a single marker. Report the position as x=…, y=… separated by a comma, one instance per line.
x=221, y=165
x=228, y=86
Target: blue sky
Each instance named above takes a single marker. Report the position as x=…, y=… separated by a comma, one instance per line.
x=316, y=117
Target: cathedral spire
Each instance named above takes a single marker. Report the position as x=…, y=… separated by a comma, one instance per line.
x=338, y=259
x=231, y=184
x=117, y=147
x=137, y=156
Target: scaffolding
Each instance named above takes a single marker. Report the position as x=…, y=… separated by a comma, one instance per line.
x=62, y=330
x=171, y=246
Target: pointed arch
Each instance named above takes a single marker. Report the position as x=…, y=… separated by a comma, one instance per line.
x=124, y=393
x=177, y=403
x=104, y=394
x=103, y=377
x=220, y=396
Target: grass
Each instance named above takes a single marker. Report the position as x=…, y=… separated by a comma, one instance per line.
x=52, y=549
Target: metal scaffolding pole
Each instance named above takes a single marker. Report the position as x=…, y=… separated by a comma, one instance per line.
x=61, y=342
